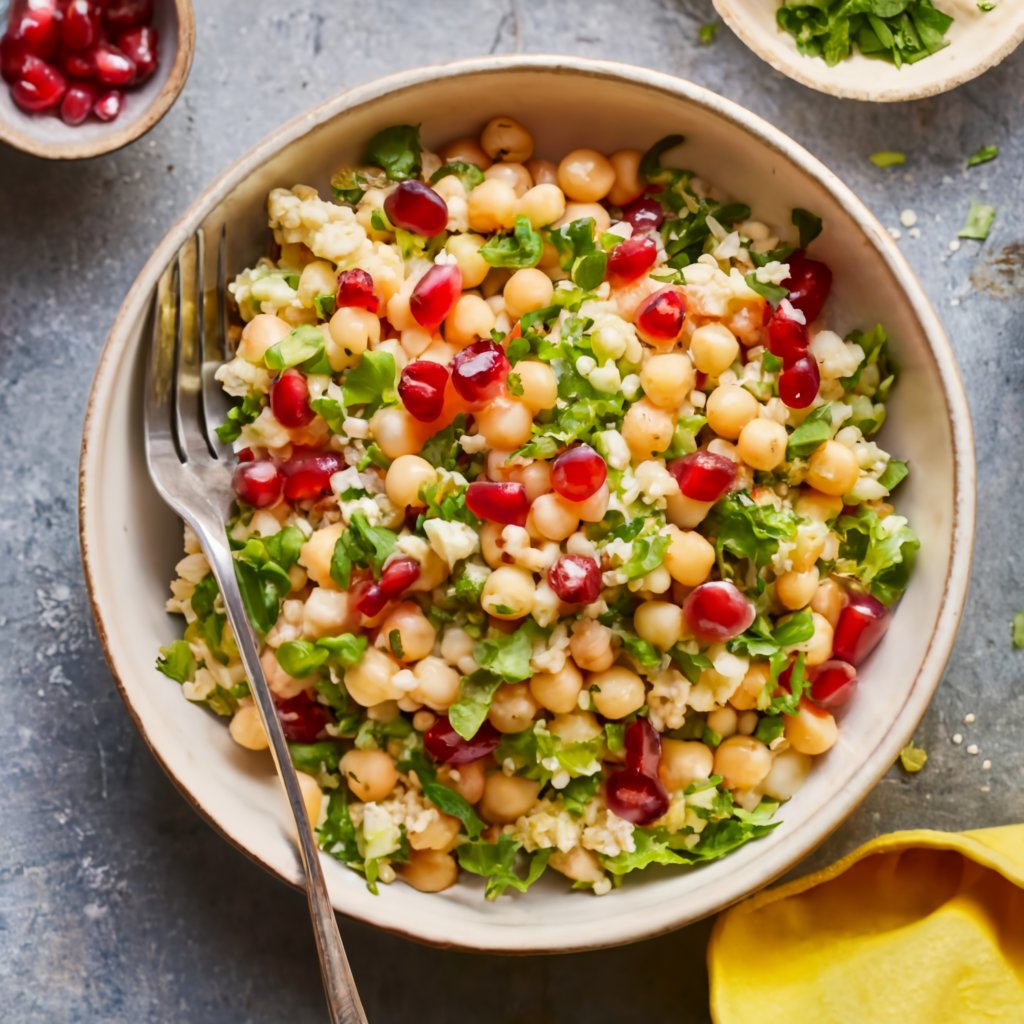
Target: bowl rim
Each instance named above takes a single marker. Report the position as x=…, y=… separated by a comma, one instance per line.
x=148, y=118
x=625, y=928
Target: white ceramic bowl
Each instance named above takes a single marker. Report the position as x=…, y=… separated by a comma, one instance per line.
x=130, y=541
x=977, y=41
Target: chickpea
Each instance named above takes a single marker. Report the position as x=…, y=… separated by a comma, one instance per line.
x=439, y=352
x=577, y=727
x=312, y=796
x=536, y=478
x=429, y=870
x=553, y=517
x=437, y=683
x=405, y=477
x=818, y=649
x=689, y=557
x=513, y=708
x=729, y=409
x=788, y=773
x=516, y=176
x=508, y=593
x=327, y=613
x=828, y=600
x=465, y=151
x=796, y=589
x=616, y=692
x=685, y=512
x=578, y=864
x=395, y=431
x=746, y=695
x=505, y=423
x=466, y=250
x=416, y=635
x=540, y=386
x=833, y=469
x=746, y=722
x=586, y=175
x=628, y=185
x=316, y=554
x=647, y=429
x=559, y=691
x=810, y=543
x=492, y=547
x=812, y=504
x=492, y=207
x=542, y=205
x=742, y=761
x=724, y=721
x=812, y=730
x=423, y=719
x=591, y=646
x=593, y=509
x=450, y=187
x=370, y=774
x=684, y=762
x=507, y=797
x=369, y=682
x=440, y=834
x=471, y=318
x=659, y=623
x=713, y=348
x=433, y=572
x=526, y=290
x=317, y=278
x=762, y=444
x=467, y=779
x=580, y=211
x=504, y=138
x=667, y=379
x=281, y=684
x=263, y=331
x=352, y=331
x=246, y=728
x=415, y=341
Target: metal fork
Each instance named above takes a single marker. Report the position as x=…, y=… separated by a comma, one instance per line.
x=191, y=470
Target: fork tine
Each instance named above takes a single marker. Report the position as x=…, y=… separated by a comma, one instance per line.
x=159, y=407
x=215, y=348
x=188, y=419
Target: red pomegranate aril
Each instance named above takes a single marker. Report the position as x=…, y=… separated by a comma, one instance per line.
x=421, y=388
x=787, y=338
x=809, y=283
x=38, y=23
x=703, y=475
x=109, y=105
x=444, y=744
x=435, y=294
x=302, y=718
x=631, y=259
x=77, y=103
x=370, y=598
x=860, y=628
x=289, y=400
x=307, y=474
x=644, y=214
x=479, y=371
x=79, y=64
x=355, y=288
x=398, y=575
x=799, y=382
x=717, y=611
x=643, y=748
x=139, y=45
x=660, y=316
x=636, y=798
x=416, y=207
x=575, y=579
x=258, y=483
x=497, y=502
x=122, y=15
x=79, y=27
x=112, y=66
x=14, y=52
x=40, y=87
x=245, y=455
x=832, y=683
x=578, y=473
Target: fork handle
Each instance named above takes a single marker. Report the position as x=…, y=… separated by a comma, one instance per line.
x=339, y=985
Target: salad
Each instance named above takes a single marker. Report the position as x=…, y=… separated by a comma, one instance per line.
x=558, y=517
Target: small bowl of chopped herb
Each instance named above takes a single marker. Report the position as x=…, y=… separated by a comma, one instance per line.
x=883, y=51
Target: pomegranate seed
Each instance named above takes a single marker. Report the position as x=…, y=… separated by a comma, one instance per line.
x=302, y=718
x=631, y=259
x=575, y=578
x=703, y=475
x=479, y=371
x=79, y=64
x=832, y=683
x=421, y=387
x=578, y=473
x=416, y=207
x=500, y=503
x=636, y=798
x=289, y=400
x=643, y=748
x=370, y=598
x=307, y=474
x=77, y=103
x=122, y=15
x=139, y=45
x=444, y=744
x=660, y=316
x=717, y=611
x=355, y=288
x=13, y=53
x=41, y=86
x=112, y=66
x=435, y=294
x=798, y=383
x=257, y=483
x=79, y=28
x=37, y=22
x=245, y=455
x=644, y=214
x=787, y=338
x=809, y=283
x=862, y=624
x=109, y=105
x=398, y=575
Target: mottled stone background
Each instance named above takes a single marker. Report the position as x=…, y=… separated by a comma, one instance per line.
x=117, y=904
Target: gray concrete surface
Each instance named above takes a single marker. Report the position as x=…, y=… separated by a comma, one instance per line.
x=117, y=904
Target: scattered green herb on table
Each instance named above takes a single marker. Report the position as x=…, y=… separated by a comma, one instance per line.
x=888, y=158
x=983, y=156
x=912, y=758
x=1018, y=631
x=979, y=221
x=707, y=33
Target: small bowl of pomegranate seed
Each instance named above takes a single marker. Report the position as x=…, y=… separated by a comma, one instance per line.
x=86, y=77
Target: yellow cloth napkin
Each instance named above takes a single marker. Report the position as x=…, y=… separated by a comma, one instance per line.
x=916, y=927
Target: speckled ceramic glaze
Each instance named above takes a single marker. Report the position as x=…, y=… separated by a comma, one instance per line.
x=130, y=541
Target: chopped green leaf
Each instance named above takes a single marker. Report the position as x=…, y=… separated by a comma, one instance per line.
x=808, y=224
x=744, y=529
x=879, y=552
x=707, y=33
x=245, y=412
x=300, y=657
x=507, y=655
x=177, y=662
x=372, y=382
x=648, y=553
x=1018, y=630
x=814, y=431
x=346, y=648
x=895, y=473
x=496, y=863
x=521, y=248
x=469, y=174
x=774, y=293
x=913, y=759
x=396, y=149
x=983, y=156
x=304, y=345
x=888, y=158
x=467, y=714
x=651, y=169
x=979, y=221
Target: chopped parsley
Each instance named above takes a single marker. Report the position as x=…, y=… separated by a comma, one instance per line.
x=888, y=158
x=1017, y=633
x=980, y=218
x=983, y=156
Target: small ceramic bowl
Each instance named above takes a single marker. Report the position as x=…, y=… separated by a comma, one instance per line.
x=131, y=541
x=47, y=136
x=977, y=41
